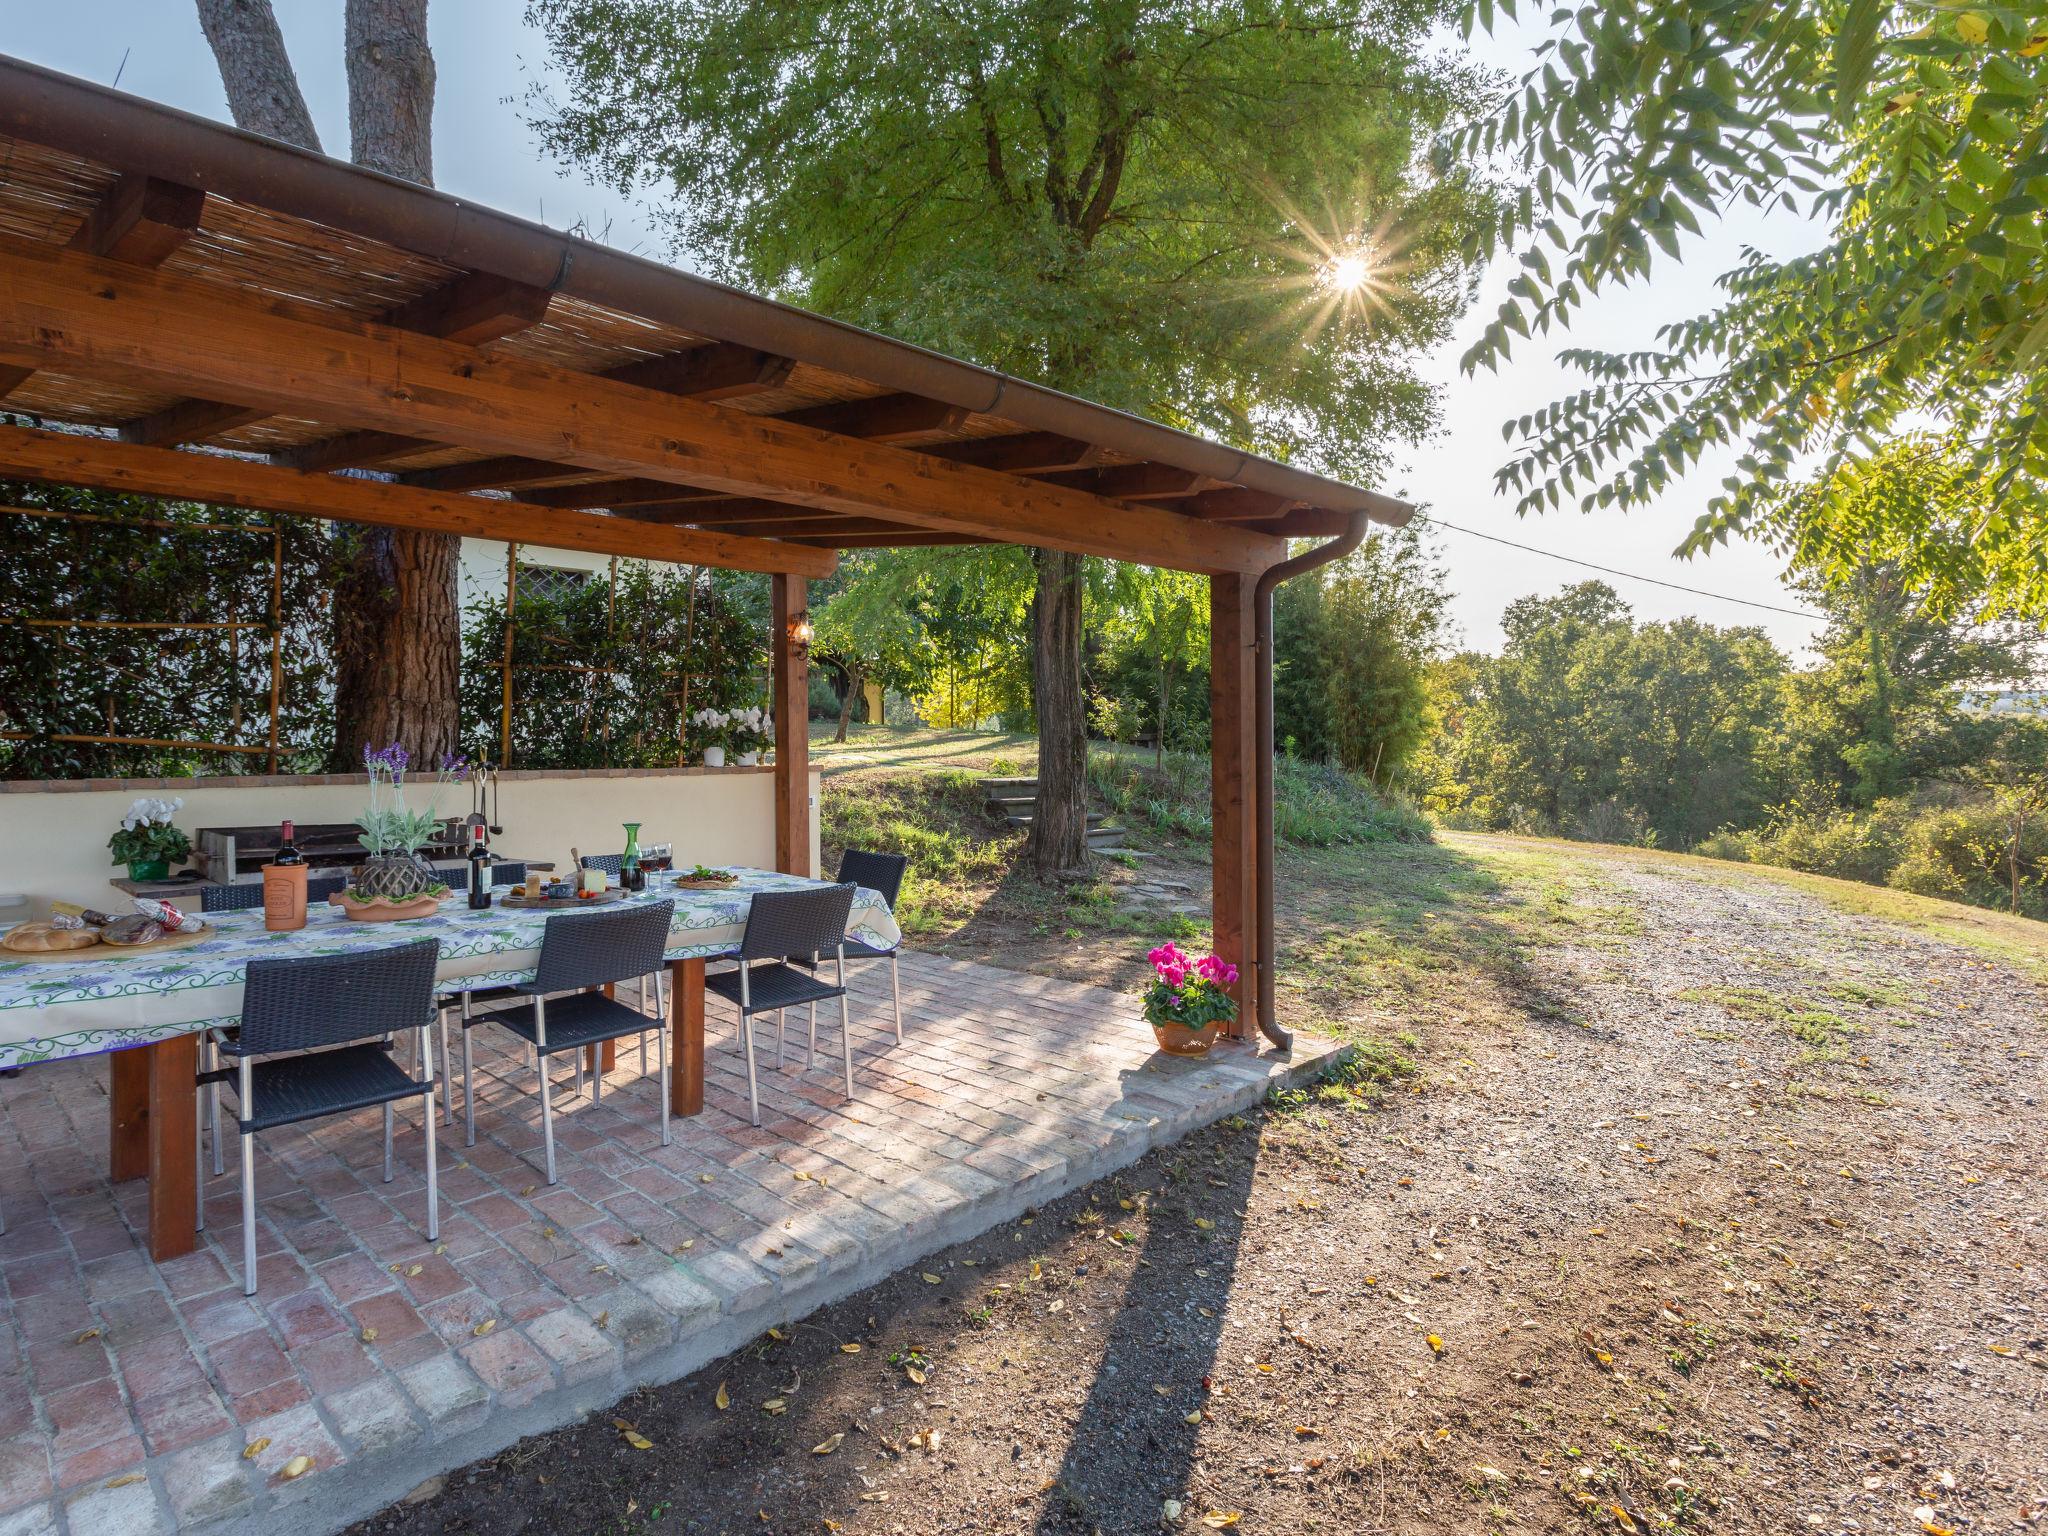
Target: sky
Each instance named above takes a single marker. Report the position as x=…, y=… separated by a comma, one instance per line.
x=487, y=60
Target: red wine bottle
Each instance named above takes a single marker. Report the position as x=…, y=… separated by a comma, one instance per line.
x=287, y=850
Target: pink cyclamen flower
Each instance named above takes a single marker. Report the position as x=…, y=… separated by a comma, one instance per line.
x=1175, y=976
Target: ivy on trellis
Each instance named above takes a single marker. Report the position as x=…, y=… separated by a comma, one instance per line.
x=136, y=637
x=604, y=674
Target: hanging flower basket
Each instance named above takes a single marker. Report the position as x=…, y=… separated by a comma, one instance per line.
x=1189, y=1000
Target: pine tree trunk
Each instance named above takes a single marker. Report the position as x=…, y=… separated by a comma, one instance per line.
x=391, y=88
x=1059, y=825
x=397, y=624
x=263, y=93
x=397, y=644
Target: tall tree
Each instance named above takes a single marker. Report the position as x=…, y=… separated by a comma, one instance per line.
x=1916, y=132
x=1142, y=201
x=397, y=628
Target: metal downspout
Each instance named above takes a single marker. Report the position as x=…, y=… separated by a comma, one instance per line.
x=1262, y=623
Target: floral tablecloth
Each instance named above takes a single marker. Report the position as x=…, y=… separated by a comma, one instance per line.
x=82, y=1008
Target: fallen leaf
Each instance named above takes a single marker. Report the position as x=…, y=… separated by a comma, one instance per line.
x=413, y=1273
x=775, y=1405
x=720, y=1400
x=778, y=1335
x=368, y=1335
x=849, y=1349
x=125, y=1479
x=1219, y=1519
x=914, y=1374
x=638, y=1441
x=1194, y=1417
x=929, y=1279
x=1436, y=1345
x=704, y=1178
x=255, y=1448
x=828, y=1445
x=1204, y=1224
x=87, y=1336
x=603, y=1319
x=874, y=1498
x=298, y=1466
x=484, y=1327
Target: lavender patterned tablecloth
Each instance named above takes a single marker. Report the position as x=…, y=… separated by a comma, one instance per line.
x=80, y=1009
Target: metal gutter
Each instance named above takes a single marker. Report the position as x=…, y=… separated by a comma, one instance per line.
x=1262, y=741
x=128, y=133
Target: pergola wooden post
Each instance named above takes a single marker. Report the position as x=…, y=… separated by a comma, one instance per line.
x=791, y=703
x=1233, y=759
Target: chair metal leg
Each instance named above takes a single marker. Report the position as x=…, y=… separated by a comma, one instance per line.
x=579, y=1074
x=845, y=1026
x=547, y=1096
x=811, y=1056
x=468, y=1090
x=248, y=1109
x=210, y=1059
x=447, y=1077
x=896, y=994
x=547, y=1118
x=597, y=1073
x=661, y=1055
x=198, y=1150
x=753, y=1082
x=780, y=1015
x=388, y=1166
x=433, y=1136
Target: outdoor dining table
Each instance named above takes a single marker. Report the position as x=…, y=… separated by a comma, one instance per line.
x=150, y=1008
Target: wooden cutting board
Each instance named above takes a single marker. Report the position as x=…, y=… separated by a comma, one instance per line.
x=95, y=954
x=519, y=899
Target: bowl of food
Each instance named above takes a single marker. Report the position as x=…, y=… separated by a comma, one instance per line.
x=702, y=877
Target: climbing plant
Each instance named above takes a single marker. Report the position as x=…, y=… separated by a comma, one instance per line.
x=149, y=622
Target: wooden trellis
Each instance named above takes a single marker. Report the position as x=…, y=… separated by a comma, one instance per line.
x=273, y=626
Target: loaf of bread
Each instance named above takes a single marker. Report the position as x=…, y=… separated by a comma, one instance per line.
x=43, y=938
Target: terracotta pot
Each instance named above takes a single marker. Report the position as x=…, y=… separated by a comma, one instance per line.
x=1179, y=1040
x=388, y=911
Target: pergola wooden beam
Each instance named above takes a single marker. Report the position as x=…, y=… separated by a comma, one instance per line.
x=473, y=308
x=1020, y=453
x=1236, y=504
x=1136, y=482
x=715, y=371
x=882, y=419
x=69, y=458
x=140, y=220
x=104, y=319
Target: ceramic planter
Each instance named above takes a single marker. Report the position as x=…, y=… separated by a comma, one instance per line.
x=149, y=869
x=748, y=759
x=384, y=909
x=1179, y=1040
x=714, y=757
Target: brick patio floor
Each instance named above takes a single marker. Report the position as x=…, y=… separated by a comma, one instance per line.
x=139, y=1398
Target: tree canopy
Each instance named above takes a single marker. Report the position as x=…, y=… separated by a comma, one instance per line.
x=1916, y=133
x=1136, y=200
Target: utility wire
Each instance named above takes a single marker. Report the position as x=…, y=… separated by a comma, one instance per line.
x=1608, y=570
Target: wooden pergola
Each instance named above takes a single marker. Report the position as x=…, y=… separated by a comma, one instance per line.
x=195, y=312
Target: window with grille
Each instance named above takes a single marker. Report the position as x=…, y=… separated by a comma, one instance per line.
x=550, y=583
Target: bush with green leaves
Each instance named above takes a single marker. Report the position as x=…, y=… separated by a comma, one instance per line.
x=604, y=675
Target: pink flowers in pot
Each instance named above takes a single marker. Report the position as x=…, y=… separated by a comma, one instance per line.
x=1190, y=992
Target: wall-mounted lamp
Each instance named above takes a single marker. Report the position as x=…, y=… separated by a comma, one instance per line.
x=800, y=632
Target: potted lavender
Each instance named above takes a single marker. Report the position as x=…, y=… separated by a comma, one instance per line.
x=396, y=880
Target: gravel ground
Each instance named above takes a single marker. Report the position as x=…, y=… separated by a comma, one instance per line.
x=1709, y=1205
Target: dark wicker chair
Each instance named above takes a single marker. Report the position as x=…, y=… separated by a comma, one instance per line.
x=579, y=953
x=608, y=862
x=882, y=872
x=508, y=872
x=325, y=1026
x=806, y=923
x=245, y=894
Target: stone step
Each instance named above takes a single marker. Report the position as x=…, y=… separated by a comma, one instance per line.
x=993, y=786
x=1025, y=818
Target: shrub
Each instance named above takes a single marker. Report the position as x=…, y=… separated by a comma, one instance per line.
x=1315, y=805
